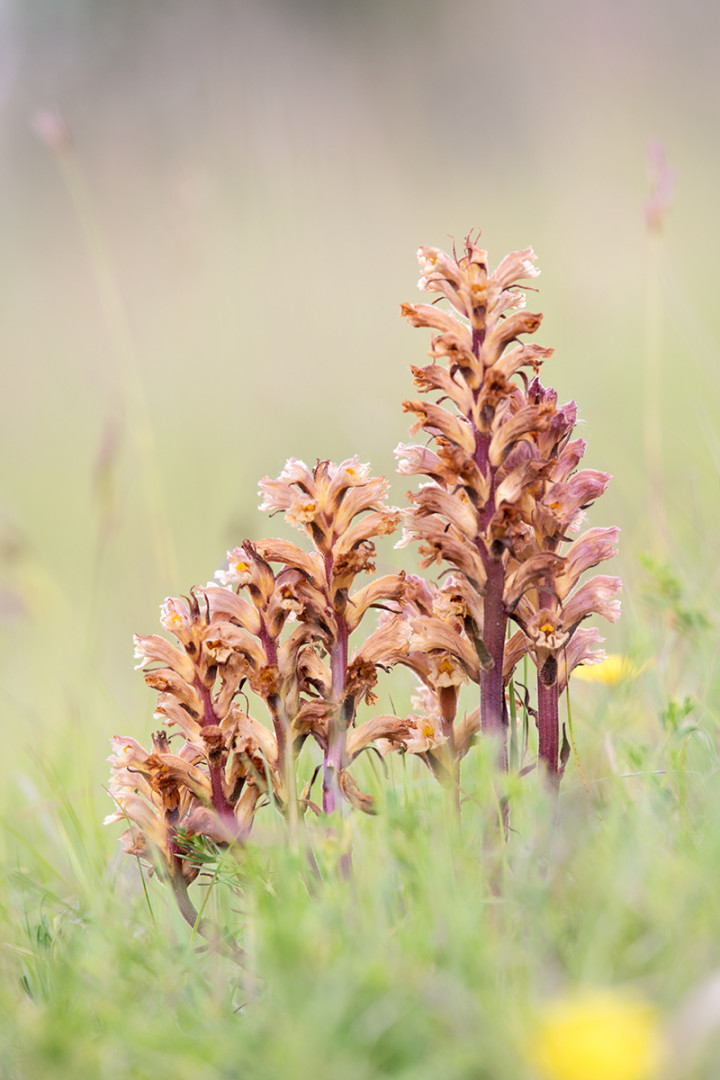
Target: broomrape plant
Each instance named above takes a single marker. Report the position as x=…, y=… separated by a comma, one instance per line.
x=504, y=489
x=500, y=511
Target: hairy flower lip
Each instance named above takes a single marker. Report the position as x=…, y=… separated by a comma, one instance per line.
x=596, y=596
x=516, y=266
x=284, y=551
x=430, y=634
x=152, y=647
x=393, y=729
x=376, y=523
x=455, y=507
x=378, y=593
x=529, y=574
x=438, y=421
x=594, y=546
x=224, y=604
x=436, y=377
x=434, y=318
x=442, y=541
x=507, y=331
x=507, y=433
x=418, y=461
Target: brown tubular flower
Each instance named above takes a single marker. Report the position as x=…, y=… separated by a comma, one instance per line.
x=503, y=488
x=341, y=509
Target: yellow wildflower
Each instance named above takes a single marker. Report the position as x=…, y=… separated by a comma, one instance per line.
x=597, y=1035
x=615, y=668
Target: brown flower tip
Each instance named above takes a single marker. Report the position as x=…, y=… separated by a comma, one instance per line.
x=322, y=502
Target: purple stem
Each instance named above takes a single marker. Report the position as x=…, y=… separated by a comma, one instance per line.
x=273, y=700
x=548, y=713
x=337, y=727
x=549, y=732
x=492, y=691
x=220, y=804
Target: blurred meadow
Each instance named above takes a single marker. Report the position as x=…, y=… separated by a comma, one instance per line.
x=203, y=278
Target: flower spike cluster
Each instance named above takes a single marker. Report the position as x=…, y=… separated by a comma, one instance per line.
x=341, y=509
x=284, y=627
x=282, y=635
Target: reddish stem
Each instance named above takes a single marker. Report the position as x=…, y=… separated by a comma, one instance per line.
x=220, y=804
x=492, y=691
x=336, y=730
x=337, y=727
x=548, y=714
x=273, y=700
x=549, y=732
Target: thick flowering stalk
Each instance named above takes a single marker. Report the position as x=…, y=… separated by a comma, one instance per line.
x=501, y=490
x=456, y=517
x=250, y=630
x=551, y=611
x=211, y=785
x=234, y=758
x=196, y=682
x=340, y=508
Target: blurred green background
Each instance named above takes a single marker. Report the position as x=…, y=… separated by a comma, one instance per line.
x=203, y=279
x=208, y=280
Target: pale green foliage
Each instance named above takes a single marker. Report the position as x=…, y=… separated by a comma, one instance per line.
x=430, y=964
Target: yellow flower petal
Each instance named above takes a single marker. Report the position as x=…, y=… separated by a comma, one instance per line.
x=597, y=1035
x=615, y=668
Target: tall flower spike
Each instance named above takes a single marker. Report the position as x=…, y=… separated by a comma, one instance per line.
x=457, y=517
x=283, y=635
x=503, y=489
x=341, y=509
x=548, y=606
x=210, y=786
x=196, y=685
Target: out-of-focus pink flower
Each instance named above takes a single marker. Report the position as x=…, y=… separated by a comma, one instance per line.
x=663, y=181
